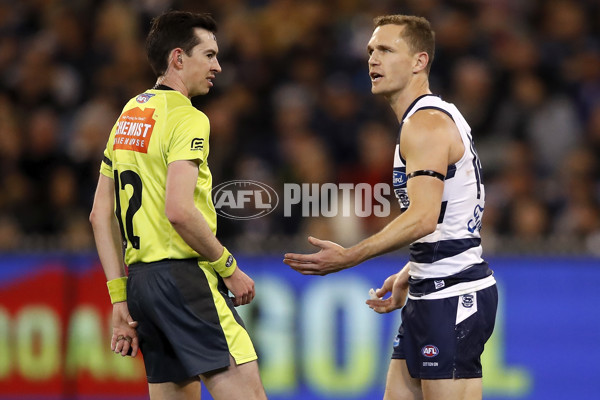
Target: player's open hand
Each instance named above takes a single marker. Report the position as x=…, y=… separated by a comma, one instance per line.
x=124, y=339
x=398, y=286
x=331, y=258
x=242, y=287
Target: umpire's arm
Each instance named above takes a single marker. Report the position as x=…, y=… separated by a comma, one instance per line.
x=108, y=242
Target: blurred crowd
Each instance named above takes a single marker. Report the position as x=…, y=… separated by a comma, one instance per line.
x=293, y=104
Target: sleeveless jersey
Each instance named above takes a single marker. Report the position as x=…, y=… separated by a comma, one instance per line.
x=455, y=245
x=155, y=129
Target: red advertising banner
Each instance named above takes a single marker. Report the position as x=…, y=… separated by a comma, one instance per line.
x=55, y=335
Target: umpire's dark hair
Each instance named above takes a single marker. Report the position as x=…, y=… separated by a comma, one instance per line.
x=171, y=30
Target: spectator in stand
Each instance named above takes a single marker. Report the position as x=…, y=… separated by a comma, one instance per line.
x=525, y=71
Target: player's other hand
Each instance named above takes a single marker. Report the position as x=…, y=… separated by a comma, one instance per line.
x=242, y=287
x=331, y=258
x=124, y=339
x=395, y=284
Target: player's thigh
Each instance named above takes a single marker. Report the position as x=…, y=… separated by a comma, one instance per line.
x=400, y=385
x=187, y=390
x=452, y=389
x=235, y=382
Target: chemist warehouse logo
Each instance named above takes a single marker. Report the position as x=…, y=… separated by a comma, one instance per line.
x=247, y=199
x=134, y=130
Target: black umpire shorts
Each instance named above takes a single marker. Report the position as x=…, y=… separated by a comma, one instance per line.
x=187, y=323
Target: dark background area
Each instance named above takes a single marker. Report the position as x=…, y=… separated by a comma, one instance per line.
x=293, y=105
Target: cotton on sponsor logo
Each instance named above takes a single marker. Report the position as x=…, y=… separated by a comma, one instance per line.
x=134, y=129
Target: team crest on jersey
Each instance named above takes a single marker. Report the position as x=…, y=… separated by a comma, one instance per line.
x=467, y=300
x=144, y=97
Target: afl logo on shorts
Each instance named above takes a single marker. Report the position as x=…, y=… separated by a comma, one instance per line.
x=430, y=351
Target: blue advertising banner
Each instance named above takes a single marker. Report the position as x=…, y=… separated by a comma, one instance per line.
x=318, y=340
x=315, y=336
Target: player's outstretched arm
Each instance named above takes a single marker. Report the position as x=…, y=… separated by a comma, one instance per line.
x=331, y=258
x=417, y=221
x=426, y=144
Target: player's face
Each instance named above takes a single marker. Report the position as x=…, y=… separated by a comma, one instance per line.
x=390, y=60
x=202, y=65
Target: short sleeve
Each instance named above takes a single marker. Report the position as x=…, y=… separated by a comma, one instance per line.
x=106, y=167
x=189, y=140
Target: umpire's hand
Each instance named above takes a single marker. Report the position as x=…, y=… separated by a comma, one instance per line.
x=242, y=287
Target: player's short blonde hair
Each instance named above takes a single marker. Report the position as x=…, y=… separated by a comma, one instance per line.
x=417, y=33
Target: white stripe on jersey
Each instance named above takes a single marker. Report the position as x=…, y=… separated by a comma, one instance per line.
x=458, y=290
x=454, y=245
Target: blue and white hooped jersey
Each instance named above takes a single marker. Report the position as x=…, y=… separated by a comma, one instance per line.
x=455, y=245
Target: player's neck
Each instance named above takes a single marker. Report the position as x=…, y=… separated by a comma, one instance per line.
x=400, y=101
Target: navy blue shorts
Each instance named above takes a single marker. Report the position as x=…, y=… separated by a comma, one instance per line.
x=187, y=323
x=444, y=338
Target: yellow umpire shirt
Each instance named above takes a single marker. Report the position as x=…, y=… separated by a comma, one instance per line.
x=156, y=128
